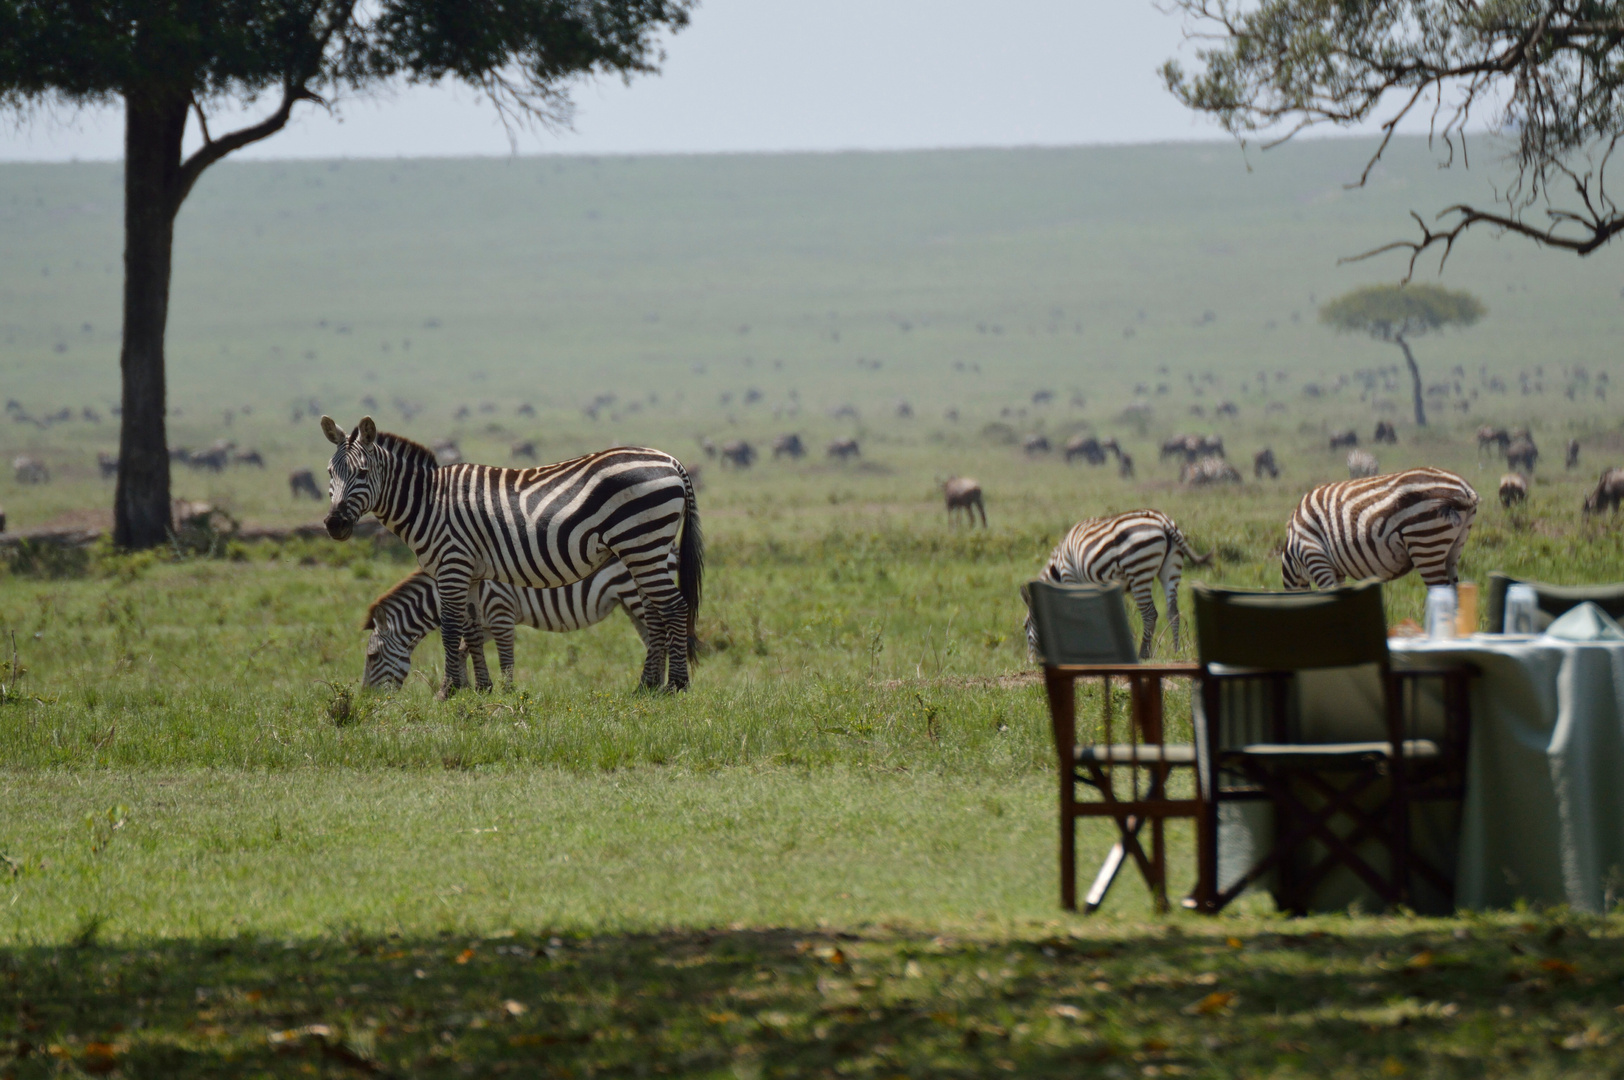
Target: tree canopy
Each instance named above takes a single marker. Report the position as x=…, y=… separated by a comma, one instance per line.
x=171, y=60
x=1396, y=313
x=1548, y=75
x=1389, y=312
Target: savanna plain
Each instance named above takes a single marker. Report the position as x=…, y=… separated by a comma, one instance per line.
x=835, y=854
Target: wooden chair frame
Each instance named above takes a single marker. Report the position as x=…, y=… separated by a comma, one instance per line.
x=1144, y=759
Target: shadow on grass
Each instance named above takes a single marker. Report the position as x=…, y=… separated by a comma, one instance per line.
x=1328, y=998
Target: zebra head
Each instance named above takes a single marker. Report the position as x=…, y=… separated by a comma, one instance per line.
x=349, y=475
x=389, y=659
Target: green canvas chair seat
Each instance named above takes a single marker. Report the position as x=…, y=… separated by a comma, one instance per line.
x=1082, y=632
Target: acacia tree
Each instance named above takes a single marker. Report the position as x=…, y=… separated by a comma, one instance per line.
x=1549, y=75
x=171, y=60
x=1396, y=313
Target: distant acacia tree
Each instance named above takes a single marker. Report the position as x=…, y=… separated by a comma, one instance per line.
x=1548, y=74
x=171, y=60
x=1396, y=313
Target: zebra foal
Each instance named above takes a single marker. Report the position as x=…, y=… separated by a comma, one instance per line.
x=1379, y=527
x=542, y=527
x=404, y=616
x=1139, y=549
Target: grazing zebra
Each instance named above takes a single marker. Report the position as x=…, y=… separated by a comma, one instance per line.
x=1379, y=527
x=1263, y=462
x=963, y=493
x=739, y=454
x=1340, y=439
x=542, y=527
x=1513, y=489
x=841, y=449
x=1362, y=463
x=30, y=470
x=1488, y=436
x=1521, y=453
x=1208, y=470
x=404, y=615
x=789, y=444
x=1138, y=549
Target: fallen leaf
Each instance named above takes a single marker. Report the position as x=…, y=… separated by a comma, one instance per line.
x=252, y=996
x=1561, y=967
x=1068, y=1012
x=1156, y=1046
x=515, y=1008
x=724, y=1017
x=1235, y=943
x=1421, y=959
x=1215, y=1002
x=100, y=1058
x=465, y=956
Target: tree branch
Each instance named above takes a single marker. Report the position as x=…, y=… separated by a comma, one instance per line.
x=213, y=150
x=1600, y=229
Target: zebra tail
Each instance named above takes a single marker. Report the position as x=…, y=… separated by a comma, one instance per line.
x=691, y=563
x=1189, y=552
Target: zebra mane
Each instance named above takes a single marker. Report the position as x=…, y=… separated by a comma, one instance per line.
x=389, y=594
x=413, y=453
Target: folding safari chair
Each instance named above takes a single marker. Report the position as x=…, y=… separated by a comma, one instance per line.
x=1554, y=600
x=1083, y=633
x=1331, y=799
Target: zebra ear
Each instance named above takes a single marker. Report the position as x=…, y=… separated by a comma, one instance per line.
x=334, y=434
x=367, y=430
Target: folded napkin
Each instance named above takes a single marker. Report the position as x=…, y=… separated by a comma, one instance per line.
x=1587, y=622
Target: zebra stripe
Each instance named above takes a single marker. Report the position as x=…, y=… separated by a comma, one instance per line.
x=1138, y=549
x=543, y=527
x=1379, y=527
x=404, y=616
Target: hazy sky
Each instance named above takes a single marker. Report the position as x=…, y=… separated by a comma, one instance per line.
x=784, y=75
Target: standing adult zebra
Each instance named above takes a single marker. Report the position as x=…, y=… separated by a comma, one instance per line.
x=405, y=615
x=542, y=527
x=1138, y=548
x=1379, y=527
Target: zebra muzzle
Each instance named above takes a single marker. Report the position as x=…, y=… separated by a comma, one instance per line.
x=337, y=527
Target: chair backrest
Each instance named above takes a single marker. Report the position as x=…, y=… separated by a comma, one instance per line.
x=1296, y=631
x=1080, y=624
x=1554, y=600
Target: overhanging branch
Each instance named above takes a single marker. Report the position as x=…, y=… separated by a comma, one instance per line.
x=213, y=150
x=1599, y=230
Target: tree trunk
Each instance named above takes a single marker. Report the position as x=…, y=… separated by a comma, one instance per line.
x=154, y=124
x=1415, y=378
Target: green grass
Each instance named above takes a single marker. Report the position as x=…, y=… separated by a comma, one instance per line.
x=836, y=852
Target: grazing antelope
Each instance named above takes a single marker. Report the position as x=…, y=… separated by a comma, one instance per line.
x=1609, y=492
x=963, y=493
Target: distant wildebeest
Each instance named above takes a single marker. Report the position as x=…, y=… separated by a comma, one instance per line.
x=1343, y=439
x=1492, y=436
x=303, y=482
x=844, y=412
x=841, y=449
x=1385, y=433
x=788, y=444
x=30, y=470
x=1208, y=470
x=1227, y=408
x=90, y=415
x=1513, y=489
x=739, y=454
x=1124, y=465
x=1086, y=447
x=707, y=445
x=250, y=457
x=963, y=493
x=525, y=449
x=447, y=452
x=1036, y=444
x=1263, y=462
x=106, y=464
x=2, y=519
x=1522, y=453
x=527, y=409
x=1192, y=447
x=904, y=411
x=1573, y=454
x=1608, y=494
x=1362, y=463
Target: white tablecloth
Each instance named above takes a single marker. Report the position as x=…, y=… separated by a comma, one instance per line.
x=1543, y=818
